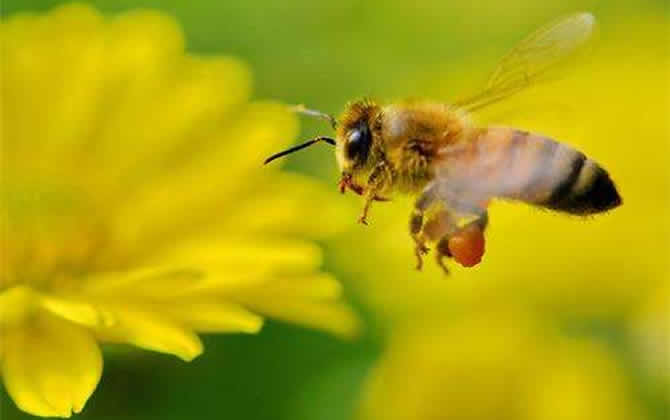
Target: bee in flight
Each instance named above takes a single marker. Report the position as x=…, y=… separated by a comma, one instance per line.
x=455, y=168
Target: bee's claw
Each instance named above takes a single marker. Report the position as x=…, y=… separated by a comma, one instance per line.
x=420, y=250
x=442, y=252
x=342, y=185
x=363, y=220
x=347, y=183
x=440, y=262
x=356, y=188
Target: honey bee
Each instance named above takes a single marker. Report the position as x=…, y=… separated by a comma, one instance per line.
x=455, y=168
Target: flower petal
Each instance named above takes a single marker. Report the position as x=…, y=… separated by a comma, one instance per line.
x=50, y=366
x=140, y=282
x=214, y=316
x=40, y=55
x=335, y=317
x=241, y=252
x=82, y=313
x=209, y=184
x=203, y=92
x=308, y=300
x=150, y=331
x=223, y=266
x=73, y=47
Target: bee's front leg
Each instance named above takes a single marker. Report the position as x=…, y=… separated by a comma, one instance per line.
x=379, y=177
x=370, y=194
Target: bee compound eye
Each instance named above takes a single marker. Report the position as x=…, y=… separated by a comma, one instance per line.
x=358, y=143
x=355, y=136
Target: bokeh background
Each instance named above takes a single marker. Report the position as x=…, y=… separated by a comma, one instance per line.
x=564, y=318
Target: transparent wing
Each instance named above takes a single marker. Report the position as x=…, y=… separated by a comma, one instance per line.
x=532, y=57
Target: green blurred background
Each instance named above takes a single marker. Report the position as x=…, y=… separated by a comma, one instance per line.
x=324, y=54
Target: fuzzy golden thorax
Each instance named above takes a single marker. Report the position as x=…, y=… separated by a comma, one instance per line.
x=396, y=145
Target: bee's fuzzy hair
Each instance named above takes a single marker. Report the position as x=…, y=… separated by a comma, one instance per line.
x=355, y=111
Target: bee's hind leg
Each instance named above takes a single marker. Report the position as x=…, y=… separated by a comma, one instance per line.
x=467, y=244
x=482, y=221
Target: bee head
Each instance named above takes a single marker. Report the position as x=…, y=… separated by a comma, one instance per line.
x=354, y=140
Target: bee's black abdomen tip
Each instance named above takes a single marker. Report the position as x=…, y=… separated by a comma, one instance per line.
x=600, y=196
x=596, y=194
x=603, y=195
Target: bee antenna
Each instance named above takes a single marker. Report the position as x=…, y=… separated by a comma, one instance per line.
x=300, y=109
x=300, y=146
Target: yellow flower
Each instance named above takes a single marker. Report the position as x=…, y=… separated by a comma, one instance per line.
x=494, y=365
x=134, y=205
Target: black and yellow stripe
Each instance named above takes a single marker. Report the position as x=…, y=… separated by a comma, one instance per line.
x=585, y=189
x=563, y=179
x=503, y=162
x=538, y=170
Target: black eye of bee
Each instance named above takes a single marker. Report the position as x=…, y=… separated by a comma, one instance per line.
x=358, y=143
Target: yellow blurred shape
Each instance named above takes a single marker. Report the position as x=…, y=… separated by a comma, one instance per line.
x=129, y=203
x=493, y=364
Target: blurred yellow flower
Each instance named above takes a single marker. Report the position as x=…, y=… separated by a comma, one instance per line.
x=650, y=333
x=131, y=209
x=494, y=365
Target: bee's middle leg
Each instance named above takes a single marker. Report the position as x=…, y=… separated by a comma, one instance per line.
x=442, y=252
x=415, y=226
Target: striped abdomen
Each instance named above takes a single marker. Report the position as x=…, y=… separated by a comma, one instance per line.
x=555, y=175
x=508, y=163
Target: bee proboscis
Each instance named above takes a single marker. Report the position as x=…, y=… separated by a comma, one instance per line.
x=456, y=168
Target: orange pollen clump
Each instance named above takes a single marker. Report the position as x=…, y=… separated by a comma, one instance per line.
x=467, y=246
